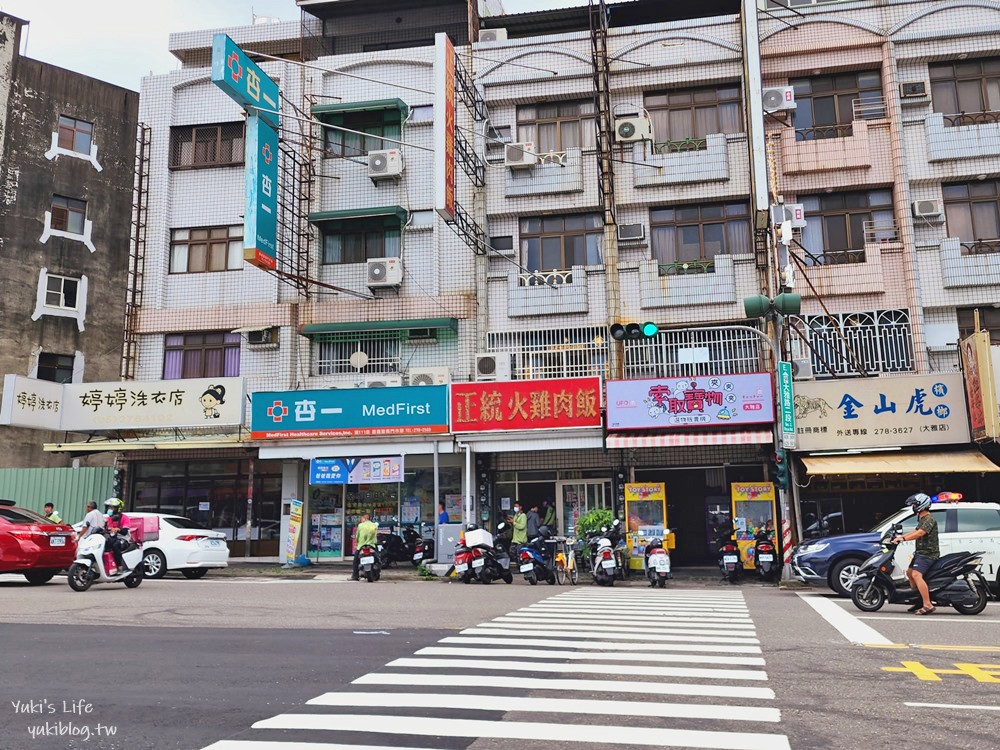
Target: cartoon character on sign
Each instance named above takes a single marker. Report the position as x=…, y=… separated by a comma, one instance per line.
x=213, y=396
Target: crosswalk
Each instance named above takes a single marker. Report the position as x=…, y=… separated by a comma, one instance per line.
x=605, y=667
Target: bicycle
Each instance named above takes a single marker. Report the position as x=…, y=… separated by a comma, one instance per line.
x=566, y=567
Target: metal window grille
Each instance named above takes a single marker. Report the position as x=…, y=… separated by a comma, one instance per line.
x=206, y=145
x=691, y=352
x=554, y=353
x=332, y=353
x=867, y=343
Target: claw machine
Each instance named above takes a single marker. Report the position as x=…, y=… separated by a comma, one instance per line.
x=754, y=508
x=645, y=519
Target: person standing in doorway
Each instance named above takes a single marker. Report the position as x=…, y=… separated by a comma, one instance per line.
x=520, y=525
x=442, y=514
x=534, y=521
x=549, y=516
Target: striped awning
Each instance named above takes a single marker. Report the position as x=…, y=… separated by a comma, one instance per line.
x=687, y=439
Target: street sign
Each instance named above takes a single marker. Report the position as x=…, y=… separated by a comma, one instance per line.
x=260, y=222
x=242, y=80
x=787, y=399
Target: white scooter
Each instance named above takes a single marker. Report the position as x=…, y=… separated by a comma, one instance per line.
x=95, y=563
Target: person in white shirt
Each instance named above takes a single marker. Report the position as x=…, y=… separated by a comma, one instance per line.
x=93, y=521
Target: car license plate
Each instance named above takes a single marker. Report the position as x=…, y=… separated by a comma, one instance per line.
x=527, y=567
x=419, y=556
x=368, y=560
x=478, y=563
x=765, y=558
x=57, y=541
x=215, y=542
x=608, y=564
x=461, y=568
x=729, y=559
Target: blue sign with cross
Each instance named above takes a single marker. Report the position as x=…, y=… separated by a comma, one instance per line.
x=243, y=80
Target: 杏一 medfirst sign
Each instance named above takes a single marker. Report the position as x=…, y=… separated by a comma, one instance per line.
x=350, y=412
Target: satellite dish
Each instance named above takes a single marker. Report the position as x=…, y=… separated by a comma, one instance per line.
x=359, y=360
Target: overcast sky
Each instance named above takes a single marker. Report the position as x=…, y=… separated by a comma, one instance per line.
x=123, y=40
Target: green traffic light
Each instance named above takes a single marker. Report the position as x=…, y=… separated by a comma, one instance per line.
x=650, y=329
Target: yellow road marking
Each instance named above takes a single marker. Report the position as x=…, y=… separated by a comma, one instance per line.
x=931, y=647
x=978, y=672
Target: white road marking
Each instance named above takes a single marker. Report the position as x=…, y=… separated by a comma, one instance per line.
x=949, y=619
x=589, y=686
x=558, y=631
x=716, y=612
x=644, y=622
x=846, y=624
x=527, y=653
x=615, y=669
x=679, y=629
x=272, y=745
x=525, y=730
x=553, y=705
x=956, y=706
x=602, y=645
x=632, y=607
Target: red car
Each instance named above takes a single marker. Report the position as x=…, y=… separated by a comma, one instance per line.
x=33, y=545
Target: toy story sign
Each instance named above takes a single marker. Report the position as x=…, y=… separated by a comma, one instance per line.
x=753, y=511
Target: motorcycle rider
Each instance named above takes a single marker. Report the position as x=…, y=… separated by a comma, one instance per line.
x=115, y=521
x=92, y=522
x=925, y=553
x=367, y=533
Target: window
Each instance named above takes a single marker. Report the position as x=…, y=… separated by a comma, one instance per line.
x=825, y=104
x=57, y=368
x=206, y=145
x=206, y=249
x=691, y=114
x=375, y=125
x=75, y=135
x=61, y=292
x=201, y=355
x=989, y=320
x=972, y=210
x=855, y=343
x=965, y=91
x=978, y=519
x=68, y=214
x=557, y=126
x=557, y=243
x=841, y=223
x=359, y=240
x=332, y=353
x=691, y=234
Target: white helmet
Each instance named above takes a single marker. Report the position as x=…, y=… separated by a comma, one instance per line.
x=114, y=503
x=919, y=502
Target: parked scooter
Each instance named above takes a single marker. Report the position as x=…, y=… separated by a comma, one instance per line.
x=605, y=556
x=415, y=548
x=463, y=563
x=729, y=556
x=490, y=560
x=95, y=562
x=657, y=563
x=534, y=564
x=392, y=549
x=370, y=560
x=765, y=556
x=954, y=581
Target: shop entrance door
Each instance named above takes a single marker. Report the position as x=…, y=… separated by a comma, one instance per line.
x=574, y=498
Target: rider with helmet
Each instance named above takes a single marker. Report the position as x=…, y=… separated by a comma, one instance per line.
x=926, y=552
x=115, y=521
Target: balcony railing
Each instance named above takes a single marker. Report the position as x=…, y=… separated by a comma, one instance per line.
x=822, y=132
x=553, y=157
x=677, y=147
x=542, y=278
x=880, y=232
x=831, y=257
x=971, y=118
x=683, y=268
x=869, y=109
x=981, y=247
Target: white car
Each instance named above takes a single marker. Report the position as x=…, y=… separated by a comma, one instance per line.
x=182, y=545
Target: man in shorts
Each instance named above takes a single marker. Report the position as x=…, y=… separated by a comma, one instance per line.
x=927, y=550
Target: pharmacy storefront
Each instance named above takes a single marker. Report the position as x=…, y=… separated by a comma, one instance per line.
x=345, y=452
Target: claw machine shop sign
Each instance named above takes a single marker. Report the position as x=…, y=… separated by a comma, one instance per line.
x=526, y=405
x=706, y=401
x=879, y=412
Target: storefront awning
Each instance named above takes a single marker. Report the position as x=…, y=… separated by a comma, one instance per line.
x=198, y=442
x=901, y=463
x=342, y=108
x=317, y=217
x=688, y=439
x=310, y=329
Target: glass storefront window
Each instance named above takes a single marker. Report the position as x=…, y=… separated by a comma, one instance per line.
x=326, y=521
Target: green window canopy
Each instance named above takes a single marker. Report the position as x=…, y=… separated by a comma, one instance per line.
x=346, y=108
x=318, y=217
x=360, y=326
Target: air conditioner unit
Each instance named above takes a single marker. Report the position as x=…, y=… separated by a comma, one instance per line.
x=430, y=376
x=802, y=369
x=912, y=89
x=385, y=165
x=383, y=381
x=520, y=155
x=493, y=35
x=926, y=209
x=262, y=337
x=633, y=128
x=627, y=232
x=385, y=272
x=492, y=366
x=779, y=99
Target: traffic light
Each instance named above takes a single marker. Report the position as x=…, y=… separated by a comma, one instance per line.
x=647, y=330
x=780, y=469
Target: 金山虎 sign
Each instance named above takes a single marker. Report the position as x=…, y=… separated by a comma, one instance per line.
x=526, y=404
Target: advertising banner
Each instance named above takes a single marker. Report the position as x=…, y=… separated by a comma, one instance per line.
x=356, y=470
x=753, y=509
x=444, y=127
x=706, y=401
x=31, y=403
x=980, y=386
x=881, y=412
x=349, y=412
x=294, y=531
x=526, y=404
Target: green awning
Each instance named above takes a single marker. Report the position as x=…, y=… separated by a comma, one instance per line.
x=343, y=108
x=311, y=329
x=360, y=213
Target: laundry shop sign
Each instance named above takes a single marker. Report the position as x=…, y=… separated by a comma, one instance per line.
x=354, y=412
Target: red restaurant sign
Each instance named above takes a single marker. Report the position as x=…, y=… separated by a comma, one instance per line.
x=526, y=405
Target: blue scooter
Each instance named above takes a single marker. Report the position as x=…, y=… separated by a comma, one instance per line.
x=532, y=556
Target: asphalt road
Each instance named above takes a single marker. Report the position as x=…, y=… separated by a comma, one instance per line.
x=179, y=664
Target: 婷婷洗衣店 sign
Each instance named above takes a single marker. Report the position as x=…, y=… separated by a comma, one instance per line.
x=705, y=401
x=526, y=404
x=381, y=470
x=349, y=412
x=881, y=412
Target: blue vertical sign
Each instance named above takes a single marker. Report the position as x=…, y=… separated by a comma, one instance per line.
x=244, y=82
x=787, y=399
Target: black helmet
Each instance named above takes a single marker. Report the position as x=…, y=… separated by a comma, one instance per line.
x=919, y=502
